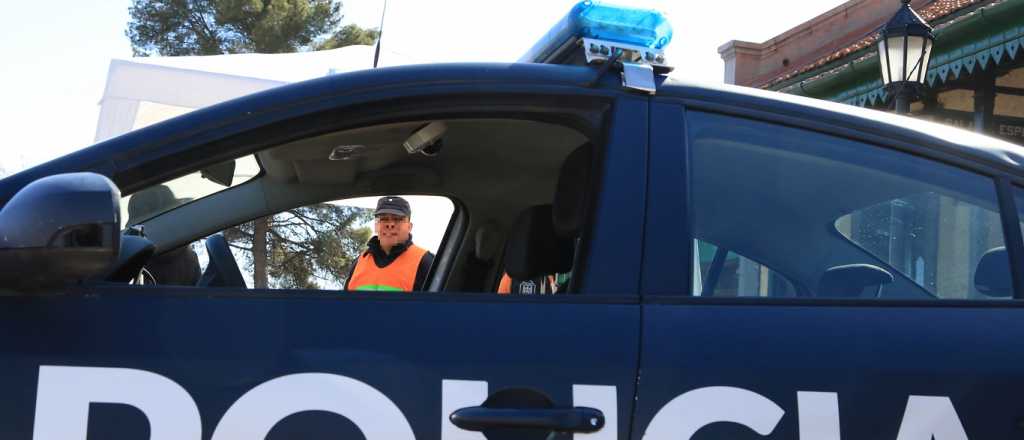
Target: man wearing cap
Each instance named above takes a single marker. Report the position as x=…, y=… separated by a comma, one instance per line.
x=391, y=262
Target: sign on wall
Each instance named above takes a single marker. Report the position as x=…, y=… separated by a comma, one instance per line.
x=1003, y=127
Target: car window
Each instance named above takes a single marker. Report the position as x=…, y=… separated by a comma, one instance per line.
x=515, y=175
x=725, y=273
x=841, y=218
x=161, y=198
x=929, y=238
x=315, y=246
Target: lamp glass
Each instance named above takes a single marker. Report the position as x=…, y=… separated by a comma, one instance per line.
x=904, y=58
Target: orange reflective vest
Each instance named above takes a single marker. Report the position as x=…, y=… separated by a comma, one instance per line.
x=399, y=276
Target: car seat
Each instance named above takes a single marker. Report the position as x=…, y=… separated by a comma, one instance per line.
x=853, y=281
x=572, y=192
x=992, y=276
x=564, y=223
x=179, y=266
x=534, y=252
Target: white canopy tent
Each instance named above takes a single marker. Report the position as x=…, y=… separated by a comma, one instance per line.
x=145, y=90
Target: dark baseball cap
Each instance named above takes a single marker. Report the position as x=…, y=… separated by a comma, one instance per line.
x=393, y=205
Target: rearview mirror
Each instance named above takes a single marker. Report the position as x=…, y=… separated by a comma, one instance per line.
x=59, y=229
x=222, y=173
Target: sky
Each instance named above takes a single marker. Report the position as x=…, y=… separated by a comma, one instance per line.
x=54, y=55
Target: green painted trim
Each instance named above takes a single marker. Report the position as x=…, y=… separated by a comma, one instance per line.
x=986, y=40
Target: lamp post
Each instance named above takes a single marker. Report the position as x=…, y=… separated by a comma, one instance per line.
x=904, y=47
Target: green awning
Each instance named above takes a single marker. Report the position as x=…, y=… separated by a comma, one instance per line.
x=988, y=37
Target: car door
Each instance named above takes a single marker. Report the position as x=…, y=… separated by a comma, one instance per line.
x=817, y=286
x=110, y=361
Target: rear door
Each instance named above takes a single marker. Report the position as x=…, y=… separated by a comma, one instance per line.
x=806, y=285
x=188, y=363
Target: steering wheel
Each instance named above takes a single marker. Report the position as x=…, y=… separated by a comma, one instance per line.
x=223, y=269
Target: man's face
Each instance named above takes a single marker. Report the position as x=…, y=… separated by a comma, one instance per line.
x=392, y=229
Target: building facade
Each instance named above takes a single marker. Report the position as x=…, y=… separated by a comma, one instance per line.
x=975, y=80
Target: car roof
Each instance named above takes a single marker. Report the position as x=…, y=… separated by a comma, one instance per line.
x=118, y=154
x=946, y=138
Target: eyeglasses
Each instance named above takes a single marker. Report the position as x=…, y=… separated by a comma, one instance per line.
x=391, y=219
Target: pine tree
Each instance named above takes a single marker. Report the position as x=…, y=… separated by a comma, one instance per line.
x=214, y=27
x=307, y=247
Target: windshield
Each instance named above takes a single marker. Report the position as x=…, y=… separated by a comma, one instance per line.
x=157, y=199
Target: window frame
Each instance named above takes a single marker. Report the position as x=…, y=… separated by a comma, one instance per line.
x=451, y=247
x=1004, y=178
x=1011, y=232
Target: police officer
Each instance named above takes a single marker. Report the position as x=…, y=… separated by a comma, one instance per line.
x=391, y=262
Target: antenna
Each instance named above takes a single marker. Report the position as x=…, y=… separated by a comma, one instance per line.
x=380, y=34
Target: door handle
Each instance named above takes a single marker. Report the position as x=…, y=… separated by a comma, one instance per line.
x=479, y=418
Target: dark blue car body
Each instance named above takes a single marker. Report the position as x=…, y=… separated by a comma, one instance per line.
x=676, y=363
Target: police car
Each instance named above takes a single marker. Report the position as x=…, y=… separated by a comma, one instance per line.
x=733, y=264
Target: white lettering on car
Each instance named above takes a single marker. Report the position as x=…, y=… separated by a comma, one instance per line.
x=683, y=416
x=818, y=414
x=257, y=411
x=603, y=398
x=63, y=395
x=455, y=395
x=931, y=418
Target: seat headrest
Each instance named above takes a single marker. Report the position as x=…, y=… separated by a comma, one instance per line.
x=487, y=241
x=533, y=248
x=992, y=276
x=152, y=200
x=849, y=281
x=572, y=191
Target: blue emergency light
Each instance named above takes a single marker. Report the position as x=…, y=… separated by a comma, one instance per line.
x=602, y=29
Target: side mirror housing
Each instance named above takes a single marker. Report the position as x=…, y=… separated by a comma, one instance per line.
x=59, y=229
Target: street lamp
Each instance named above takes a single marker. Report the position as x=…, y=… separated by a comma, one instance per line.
x=904, y=46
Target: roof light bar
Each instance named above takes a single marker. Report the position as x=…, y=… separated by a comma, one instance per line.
x=602, y=30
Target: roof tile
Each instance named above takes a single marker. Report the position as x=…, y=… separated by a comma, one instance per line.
x=934, y=11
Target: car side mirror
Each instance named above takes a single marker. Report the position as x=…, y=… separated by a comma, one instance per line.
x=59, y=229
